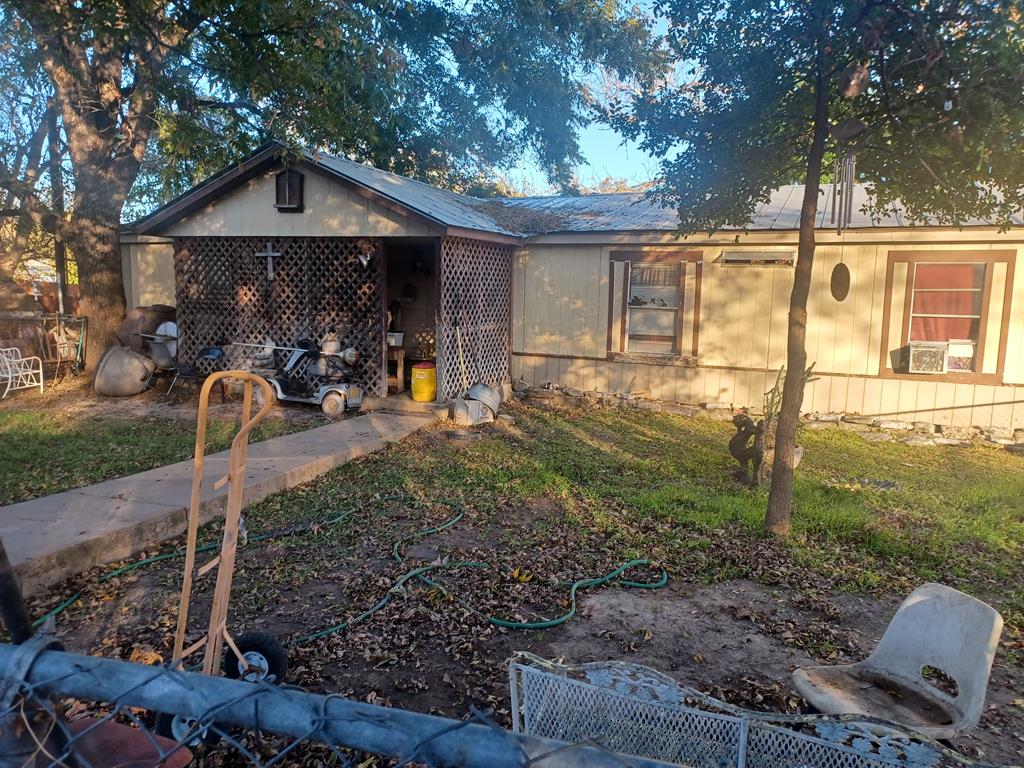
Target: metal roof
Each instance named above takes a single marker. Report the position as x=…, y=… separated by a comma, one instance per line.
x=627, y=211
x=441, y=205
x=523, y=216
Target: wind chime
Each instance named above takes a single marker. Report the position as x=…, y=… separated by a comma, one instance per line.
x=844, y=172
x=852, y=83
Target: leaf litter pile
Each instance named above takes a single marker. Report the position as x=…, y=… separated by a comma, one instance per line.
x=559, y=496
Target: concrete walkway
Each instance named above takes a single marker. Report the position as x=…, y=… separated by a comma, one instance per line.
x=55, y=536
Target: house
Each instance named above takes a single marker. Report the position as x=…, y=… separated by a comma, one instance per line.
x=915, y=323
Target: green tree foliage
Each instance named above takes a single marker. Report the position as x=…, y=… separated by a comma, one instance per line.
x=160, y=94
x=759, y=86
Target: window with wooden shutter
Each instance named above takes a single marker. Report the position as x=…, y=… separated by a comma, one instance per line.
x=289, y=191
x=654, y=308
x=654, y=303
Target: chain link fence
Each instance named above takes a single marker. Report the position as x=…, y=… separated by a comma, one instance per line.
x=65, y=709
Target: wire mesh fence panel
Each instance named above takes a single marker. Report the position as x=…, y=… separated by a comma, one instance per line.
x=474, y=315
x=252, y=290
x=635, y=710
x=63, y=709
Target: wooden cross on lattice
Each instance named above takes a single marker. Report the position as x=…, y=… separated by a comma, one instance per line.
x=269, y=254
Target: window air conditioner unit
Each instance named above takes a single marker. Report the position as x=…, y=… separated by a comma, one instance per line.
x=765, y=258
x=928, y=356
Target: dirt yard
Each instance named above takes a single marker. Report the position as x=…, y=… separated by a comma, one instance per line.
x=564, y=495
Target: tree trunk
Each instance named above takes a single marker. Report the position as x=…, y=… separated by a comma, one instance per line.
x=95, y=222
x=777, y=519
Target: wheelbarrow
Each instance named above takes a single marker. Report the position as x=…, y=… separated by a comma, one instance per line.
x=253, y=656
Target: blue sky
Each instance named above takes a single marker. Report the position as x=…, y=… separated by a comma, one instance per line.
x=607, y=154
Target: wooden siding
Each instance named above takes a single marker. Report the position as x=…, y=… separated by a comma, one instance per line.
x=562, y=306
x=332, y=209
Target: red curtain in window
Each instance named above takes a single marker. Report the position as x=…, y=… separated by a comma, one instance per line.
x=953, y=291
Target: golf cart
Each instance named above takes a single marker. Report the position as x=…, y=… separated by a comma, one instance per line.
x=319, y=376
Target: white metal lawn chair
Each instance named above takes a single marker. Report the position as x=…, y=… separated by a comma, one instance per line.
x=17, y=372
x=936, y=631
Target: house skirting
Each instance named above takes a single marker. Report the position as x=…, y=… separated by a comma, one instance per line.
x=903, y=399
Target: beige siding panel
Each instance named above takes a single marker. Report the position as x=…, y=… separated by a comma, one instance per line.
x=855, y=396
x=150, y=279
x=963, y=403
x=689, y=316
x=875, y=259
x=945, y=398
x=925, y=405
x=617, y=308
x=838, y=394
x=995, y=319
x=1014, y=371
x=906, y=399
x=739, y=388
x=520, y=263
x=757, y=351
x=981, y=414
x=331, y=210
x=1018, y=407
x=899, y=287
x=821, y=313
x=1002, y=405
x=778, y=321
x=872, y=397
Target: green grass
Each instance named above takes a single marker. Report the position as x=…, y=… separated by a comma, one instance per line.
x=663, y=486
x=41, y=453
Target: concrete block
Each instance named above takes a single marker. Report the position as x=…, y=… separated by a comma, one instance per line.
x=827, y=417
x=649, y=405
x=856, y=419
x=918, y=440
x=853, y=426
x=896, y=425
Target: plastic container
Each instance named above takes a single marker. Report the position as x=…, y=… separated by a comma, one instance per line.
x=424, y=382
x=395, y=339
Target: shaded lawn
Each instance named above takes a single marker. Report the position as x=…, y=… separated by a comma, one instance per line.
x=662, y=486
x=43, y=453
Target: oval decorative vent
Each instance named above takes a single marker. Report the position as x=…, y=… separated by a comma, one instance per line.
x=840, y=282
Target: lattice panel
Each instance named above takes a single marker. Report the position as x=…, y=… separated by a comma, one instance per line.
x=475, y=295
x=227, y=291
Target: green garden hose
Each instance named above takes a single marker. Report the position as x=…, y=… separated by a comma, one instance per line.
x=420, y=574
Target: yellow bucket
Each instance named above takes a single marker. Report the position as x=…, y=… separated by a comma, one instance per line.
x=424, y=382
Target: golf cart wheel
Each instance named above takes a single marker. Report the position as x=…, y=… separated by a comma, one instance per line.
x=333, y=404
x=183, y=730
x=265, y=659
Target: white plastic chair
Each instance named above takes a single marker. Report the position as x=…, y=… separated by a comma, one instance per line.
x=20, y=372
x=935, y=628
